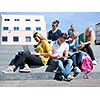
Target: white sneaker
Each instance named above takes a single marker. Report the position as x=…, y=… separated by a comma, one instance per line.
x=94, y=62
x=25, y=70
x=77, y=70
x=69, y=77
x=8, y=70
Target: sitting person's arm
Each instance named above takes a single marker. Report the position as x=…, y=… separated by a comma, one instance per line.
x=85, y=43
x=45, y=49
x=81, y=45
x=55, y=56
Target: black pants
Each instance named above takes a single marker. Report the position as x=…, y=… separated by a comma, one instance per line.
x=89, y=51
x=51, y=66
x=26, y=58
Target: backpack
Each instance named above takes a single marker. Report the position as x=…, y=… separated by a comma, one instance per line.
x=86, y=64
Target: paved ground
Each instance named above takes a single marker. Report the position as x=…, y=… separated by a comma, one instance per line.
x=51, y=83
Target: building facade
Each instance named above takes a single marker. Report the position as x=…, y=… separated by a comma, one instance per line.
x=97, y=40
x=19, y=29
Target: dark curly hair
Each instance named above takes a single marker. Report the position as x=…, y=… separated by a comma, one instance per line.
x=56, y=22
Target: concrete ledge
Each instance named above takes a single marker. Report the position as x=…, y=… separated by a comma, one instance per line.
x=41, y=76
x=92, y=75
x=38, y=68
x=27, y=76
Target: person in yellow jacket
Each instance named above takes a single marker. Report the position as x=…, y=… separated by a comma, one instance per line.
x=40, y=57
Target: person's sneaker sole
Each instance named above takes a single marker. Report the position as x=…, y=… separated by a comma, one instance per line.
x=24, y=71
x=3, y=71
x=68, y=80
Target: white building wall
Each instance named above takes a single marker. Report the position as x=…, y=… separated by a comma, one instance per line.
x=22, y=33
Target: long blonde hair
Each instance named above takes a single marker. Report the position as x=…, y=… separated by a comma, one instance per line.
x=89, y=35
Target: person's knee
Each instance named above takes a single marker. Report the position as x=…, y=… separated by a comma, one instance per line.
x=69, y=61
x=74, y=56
x=59, y=62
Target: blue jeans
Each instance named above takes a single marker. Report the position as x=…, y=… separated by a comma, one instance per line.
x=64, y=66
x=77, y=58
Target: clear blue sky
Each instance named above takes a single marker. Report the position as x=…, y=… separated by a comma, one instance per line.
x=80, y=20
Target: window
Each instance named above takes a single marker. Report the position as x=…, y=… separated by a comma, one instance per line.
x=37, y=20
x=15, y=38
x=5, y=28
x=28, y=28
x=38, y=28
x=27, y=19
x=28, y=39
x=16, y=19
x=7, y=19
x=4, y=39
x=16, y=28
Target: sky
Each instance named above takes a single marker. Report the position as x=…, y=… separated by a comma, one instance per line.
x=80, y=20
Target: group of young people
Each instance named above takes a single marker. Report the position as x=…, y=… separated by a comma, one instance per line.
x=66, y=51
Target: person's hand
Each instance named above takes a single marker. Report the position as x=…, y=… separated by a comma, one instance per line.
x=79, y=47
x=58, y=57
x=61, y=58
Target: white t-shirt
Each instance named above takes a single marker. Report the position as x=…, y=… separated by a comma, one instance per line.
x=59, y=50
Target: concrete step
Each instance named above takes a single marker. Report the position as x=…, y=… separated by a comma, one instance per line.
x=8, y=52
x=33, y=68
x=41, y=76
x=27, y=76
x=92, y=75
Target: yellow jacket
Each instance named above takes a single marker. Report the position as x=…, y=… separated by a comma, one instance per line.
x=44, y=47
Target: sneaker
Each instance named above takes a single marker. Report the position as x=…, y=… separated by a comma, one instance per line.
x=25, y=70
x=77, y=70
x=61, y=78
x=69, y=77
x=8, y=70
x=94, y=62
